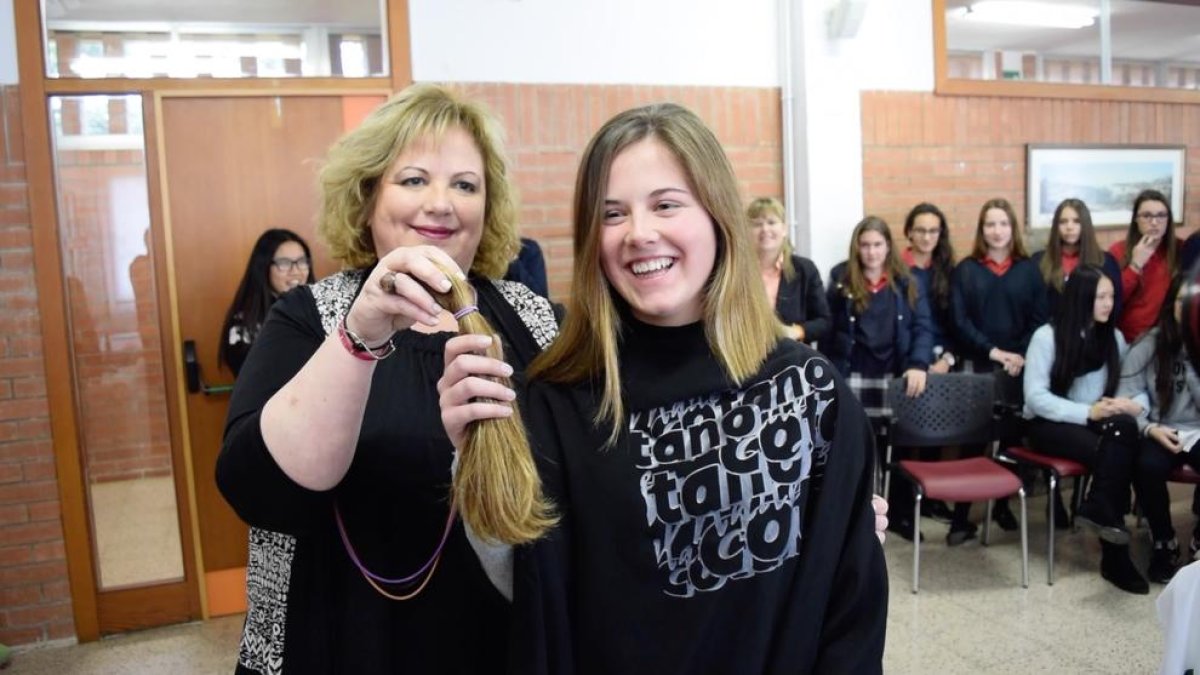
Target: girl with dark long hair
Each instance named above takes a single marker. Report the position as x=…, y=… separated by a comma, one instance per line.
x=1149, y=258
x=1072, y=242
x=1158, y=374
x=1072, y=369
x=279, y=261
x=930, y=259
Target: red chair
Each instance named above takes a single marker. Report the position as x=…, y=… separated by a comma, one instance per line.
x=956, y=408
x=1184, y=473
x=1056, y=469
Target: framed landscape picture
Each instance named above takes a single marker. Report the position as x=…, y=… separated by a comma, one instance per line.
x=1105, y=177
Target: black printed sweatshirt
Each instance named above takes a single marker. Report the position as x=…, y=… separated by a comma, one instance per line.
x=729, y=530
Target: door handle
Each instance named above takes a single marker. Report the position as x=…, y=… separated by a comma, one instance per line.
x=191, y=371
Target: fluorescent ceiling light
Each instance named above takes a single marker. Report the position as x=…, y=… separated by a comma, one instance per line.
x=1027, y=13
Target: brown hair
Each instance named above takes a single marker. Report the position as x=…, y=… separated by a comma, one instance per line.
x=739, y=324
x=1090, y=252
x=1134, y=235
x=357, y=162
x=856, y=280
x=497, y=487
x=1017, y=248
x=769, y=206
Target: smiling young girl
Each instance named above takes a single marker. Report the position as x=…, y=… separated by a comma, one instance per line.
x=712, y=479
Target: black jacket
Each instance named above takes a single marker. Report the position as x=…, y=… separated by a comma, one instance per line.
x=914, y=326
x=802, y=300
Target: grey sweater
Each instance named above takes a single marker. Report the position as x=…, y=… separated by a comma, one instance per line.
x=1138, y=372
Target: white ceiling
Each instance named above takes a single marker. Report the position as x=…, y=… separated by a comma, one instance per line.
x=308, y=12
x=1141, y=30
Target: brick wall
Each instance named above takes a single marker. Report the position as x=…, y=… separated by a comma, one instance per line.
x=35, y=602
x=549, y=125
x=958, y=152
x=114, y=316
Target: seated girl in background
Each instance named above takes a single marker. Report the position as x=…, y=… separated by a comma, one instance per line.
x=881, y=329
x=793, y=283
x=1071, y=243
x=1072, y=370
x=279, y=262
x=1158, y=375
x=997, y=302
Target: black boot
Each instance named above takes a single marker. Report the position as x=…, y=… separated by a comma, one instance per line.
x=1164, y=560
x=1118, y=569
x=961, y=528
x=1003, y=516
x=1099, y=516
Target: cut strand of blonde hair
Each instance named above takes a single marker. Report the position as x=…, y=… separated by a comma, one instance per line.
x=497, y=486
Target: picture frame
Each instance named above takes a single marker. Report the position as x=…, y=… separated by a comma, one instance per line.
x=1106, y=177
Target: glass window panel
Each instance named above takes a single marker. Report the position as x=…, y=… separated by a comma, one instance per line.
x=116, y=348
x=1153, y=44
x=174, y=38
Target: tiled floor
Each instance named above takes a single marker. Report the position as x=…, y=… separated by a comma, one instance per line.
x=971, y=615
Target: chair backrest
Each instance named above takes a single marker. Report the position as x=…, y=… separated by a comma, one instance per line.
x=956, y=408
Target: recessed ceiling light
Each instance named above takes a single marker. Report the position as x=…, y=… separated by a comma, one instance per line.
x=1027, y=13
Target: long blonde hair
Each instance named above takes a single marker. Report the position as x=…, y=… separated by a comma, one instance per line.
x=358, y=161
x=496, y=488
x=763, y=207
x=740, y=325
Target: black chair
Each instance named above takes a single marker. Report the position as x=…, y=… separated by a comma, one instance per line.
x=955, y=409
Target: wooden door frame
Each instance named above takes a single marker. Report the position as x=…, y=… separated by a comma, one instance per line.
x=35, y=89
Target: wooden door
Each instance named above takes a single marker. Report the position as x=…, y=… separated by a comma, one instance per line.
x=234, y=166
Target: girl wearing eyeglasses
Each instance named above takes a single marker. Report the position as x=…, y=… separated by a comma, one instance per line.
x=279, y=262
x=1149, y=259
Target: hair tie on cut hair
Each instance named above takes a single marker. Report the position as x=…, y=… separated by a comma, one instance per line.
x=496, y=487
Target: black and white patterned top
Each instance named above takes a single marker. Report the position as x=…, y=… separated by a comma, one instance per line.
x=309, y=609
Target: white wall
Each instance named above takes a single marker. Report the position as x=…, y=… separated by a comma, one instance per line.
x=8, y=44
x=667, y=42
x=893, y=49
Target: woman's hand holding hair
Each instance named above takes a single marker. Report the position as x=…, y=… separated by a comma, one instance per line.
x=466, y=391
x=914, y=380
x=396, y=294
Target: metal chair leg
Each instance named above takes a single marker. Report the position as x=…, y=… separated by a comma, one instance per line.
x=886, y=471
x=987, y=524
x=917, y=538
x=1024, y=541
x=1051, y=493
